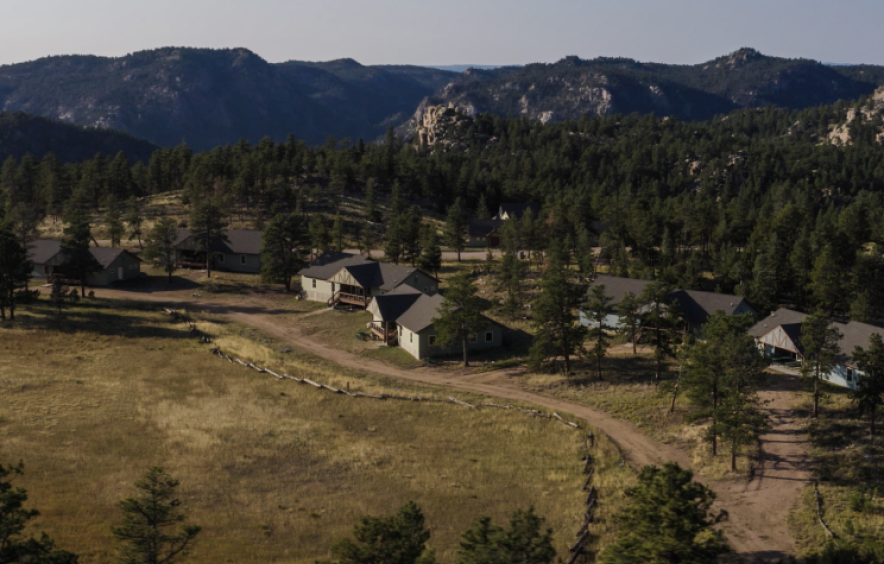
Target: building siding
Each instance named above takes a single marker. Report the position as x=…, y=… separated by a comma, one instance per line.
x=232, y=262
x=418, y=344
x=321, y=293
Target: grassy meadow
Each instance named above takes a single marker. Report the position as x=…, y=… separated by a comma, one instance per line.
x=848, y=467
x=275, y=471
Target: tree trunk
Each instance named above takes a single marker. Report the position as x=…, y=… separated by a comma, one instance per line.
x=466, y=358
x=2, y=312
x=140, y=244
x=208, y=264
x=458, y=255
x=674, y=396
x=634, y=343
x=734, y=456
x=816, y=396
x=874, y=408
x=12, y=305
x=82, y=288
x=599, y=357
x=567, y=364
x=170, y=277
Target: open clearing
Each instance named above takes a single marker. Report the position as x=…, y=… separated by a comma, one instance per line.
x=273, y=470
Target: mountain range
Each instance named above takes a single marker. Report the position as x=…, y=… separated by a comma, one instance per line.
x=206, y=97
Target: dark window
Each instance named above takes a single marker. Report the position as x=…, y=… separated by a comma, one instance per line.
x=489, y=336
x=314, y=282
x=432, y=339
x=242, y=259
x=220, y=258
x=850, y=375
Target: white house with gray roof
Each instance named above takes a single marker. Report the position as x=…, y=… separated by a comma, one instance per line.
x=353, y=279
x=779, y=335
x=404, y=316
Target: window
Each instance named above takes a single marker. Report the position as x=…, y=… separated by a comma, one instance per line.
x=426, y=290
x=432, y=339
x=314, y=282
x=46, y=270
x=220, y=258
x=850, y=375
x=489, y=336
x=411, y=337
x=474, y=338
x=242, y=259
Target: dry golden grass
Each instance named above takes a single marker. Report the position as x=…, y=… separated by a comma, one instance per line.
x=275, y=471
x=847, y=464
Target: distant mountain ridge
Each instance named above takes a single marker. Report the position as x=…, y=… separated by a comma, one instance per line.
x=573, y=87
x=22, y=134
x=207, y=97
x=211, y=97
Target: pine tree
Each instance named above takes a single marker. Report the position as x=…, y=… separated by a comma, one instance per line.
x=668, y=518
x=661, y=324
x=337, y=233
x=555, y=314
x=58, y=294
x=135, y=220
x=430, y=259
x=459, y=316
x=456, y=228
x=869, y=393
x=78, y=261
x=147, y=533
x=320, y=238
x=630, y=318
x=372, y=213
x=114, y=222
x=411, y=233
x=285, y=249
x=15, y=270
x=523, y=541
x=598, y=306
x=482, y=208
x=160, y=246
x=14, y=547
x=398, y=539
x=208, y=224
x=367, y=239
x=827, y=283
x=819, y=343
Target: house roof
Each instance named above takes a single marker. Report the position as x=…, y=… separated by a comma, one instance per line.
x=617, y=288
x=854, y=334
x=517, y=210
x=329, y=264
x=393, y=304
x=239, y=241
x=483, y=227
x=696, y=306
x=41, y=251
x=421, y=313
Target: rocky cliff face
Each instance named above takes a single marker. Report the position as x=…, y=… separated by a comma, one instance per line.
x=868, y=114
x=575, y=87
x=213, y=97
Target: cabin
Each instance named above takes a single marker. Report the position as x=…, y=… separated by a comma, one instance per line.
x=515, y=211
x=240, y=253
x=346, y=278
x=404, y=317
x=111, y=265
x=696, y=306
x=779, y=336
x=484, y=232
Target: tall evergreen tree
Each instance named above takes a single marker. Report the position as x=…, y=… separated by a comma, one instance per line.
x=149, y=531
x=398, y=539
x=630, y=318
x=456, y=228
x=320, y=238
x=869, y=393
x=15, y=271
x=338, y=233
x=598, y=308
x=78, y=261
x=523, y=542
x=208, y=224
x=555, y=314
x=285, y=249
x=661, y=324
x=160, y=245
x=668, y=519
x=459, y=317
x=135, y=220
x=430, y=259
x=819, y=343
x=113, y=222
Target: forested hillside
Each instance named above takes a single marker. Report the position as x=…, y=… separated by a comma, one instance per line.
x=573, y=86
x=206, y=97
x=764, y=203
x=22, y=134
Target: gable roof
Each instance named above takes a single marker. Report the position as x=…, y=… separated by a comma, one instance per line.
x=239, y=241
x=421, y=313
x=329, y=264
x=696, y=306
x=617, y=288
x=483, y=227
x=517, y=210
x=41, y=251
x=854, y=334
x=393, y=304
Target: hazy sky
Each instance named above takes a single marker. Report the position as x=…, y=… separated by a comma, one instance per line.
x=449, y=32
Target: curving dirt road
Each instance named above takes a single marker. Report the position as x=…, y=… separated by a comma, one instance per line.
x=757, y=508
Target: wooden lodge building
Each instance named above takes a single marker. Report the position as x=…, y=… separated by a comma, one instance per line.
x=780, y=337
x=696, y=306
x=111, y=265
x=345, y=278
x=240, y=253
x=404, y=317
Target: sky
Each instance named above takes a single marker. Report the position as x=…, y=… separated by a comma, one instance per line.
x=488, y=32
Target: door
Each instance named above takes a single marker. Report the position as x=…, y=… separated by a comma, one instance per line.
x=120, y=273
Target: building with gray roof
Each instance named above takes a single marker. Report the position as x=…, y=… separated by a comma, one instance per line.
x=111, y=264
x=240, y=252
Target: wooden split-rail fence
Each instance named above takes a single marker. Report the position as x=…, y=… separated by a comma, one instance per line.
x=578, y=549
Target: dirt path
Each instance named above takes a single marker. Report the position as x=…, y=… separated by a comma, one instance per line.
x=758, y=508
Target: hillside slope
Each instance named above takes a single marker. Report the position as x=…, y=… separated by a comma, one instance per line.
x=22, y=134
x=208, y=97
x=573, y=87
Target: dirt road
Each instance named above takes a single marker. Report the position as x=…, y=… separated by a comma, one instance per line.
x=758, y=508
